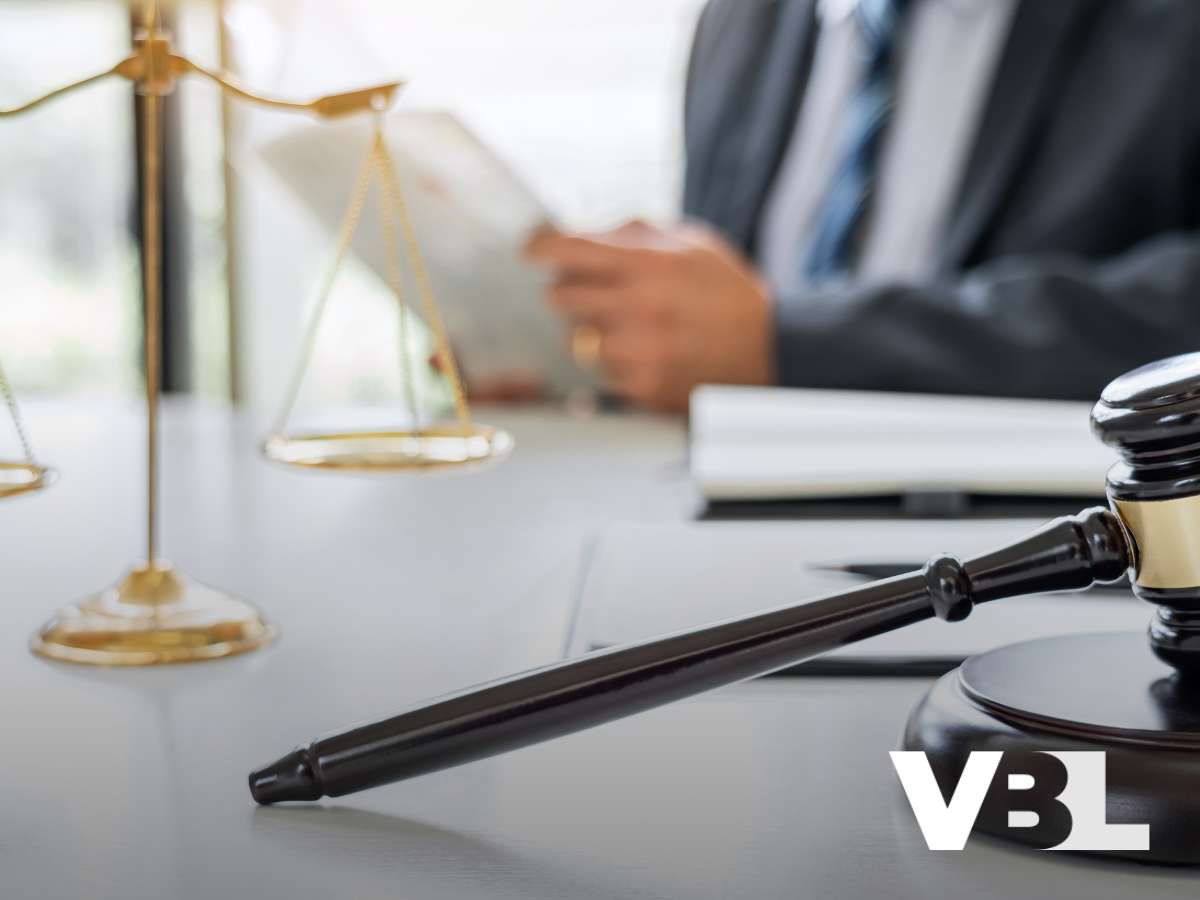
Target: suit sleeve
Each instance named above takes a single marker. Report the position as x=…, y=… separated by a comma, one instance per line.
x=1023, y=326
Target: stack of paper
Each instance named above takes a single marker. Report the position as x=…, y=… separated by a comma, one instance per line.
x=782, y=443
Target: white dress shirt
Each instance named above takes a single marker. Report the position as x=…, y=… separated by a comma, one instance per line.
x=948, y=54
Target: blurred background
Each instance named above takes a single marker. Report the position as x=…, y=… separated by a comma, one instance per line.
x=595, y=133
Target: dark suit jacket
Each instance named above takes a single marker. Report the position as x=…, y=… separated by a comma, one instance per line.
x=1072, y=253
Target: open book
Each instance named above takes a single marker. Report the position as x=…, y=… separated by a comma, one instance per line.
x=783, y=443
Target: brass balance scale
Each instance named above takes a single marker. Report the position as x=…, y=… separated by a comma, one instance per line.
x=156, y=614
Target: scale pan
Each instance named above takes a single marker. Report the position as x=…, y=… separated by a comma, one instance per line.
x=391, y=451
x=22, y=478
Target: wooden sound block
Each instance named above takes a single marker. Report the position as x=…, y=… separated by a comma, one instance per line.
x=1106, y=692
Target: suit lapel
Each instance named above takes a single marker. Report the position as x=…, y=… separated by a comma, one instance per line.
x=1024, y=85
x=759, y=120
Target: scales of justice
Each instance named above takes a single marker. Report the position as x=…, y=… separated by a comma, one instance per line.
x=156, y=614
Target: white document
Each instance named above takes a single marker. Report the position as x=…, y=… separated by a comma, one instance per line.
x=472, y=215
x=786, y=443
x=643, y=581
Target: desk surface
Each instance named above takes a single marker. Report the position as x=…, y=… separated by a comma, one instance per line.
x=131, y=784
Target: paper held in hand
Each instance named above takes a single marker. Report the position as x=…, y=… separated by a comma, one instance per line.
x=472, y=214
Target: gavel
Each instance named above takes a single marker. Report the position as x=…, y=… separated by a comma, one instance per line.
x=1151, y=416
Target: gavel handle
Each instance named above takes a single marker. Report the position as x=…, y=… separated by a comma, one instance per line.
x=1070, y=553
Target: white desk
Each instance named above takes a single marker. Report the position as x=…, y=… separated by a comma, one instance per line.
x=131, y=784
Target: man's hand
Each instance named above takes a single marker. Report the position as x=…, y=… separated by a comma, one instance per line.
x=663, y=311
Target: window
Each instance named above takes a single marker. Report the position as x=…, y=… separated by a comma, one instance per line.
x=69, y=319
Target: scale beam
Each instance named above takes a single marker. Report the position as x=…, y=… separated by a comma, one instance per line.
x=154, y=68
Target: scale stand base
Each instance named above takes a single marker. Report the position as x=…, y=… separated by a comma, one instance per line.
x=1105, y=692
x=154, y=616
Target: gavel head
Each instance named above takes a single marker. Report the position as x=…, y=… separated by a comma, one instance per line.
x=1151, y=416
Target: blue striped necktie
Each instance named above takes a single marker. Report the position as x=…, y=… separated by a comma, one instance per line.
x=838, y=224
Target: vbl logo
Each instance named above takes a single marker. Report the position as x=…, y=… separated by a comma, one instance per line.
x=1060, y=794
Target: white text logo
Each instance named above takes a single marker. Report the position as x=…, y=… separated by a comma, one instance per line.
x=1060, y=794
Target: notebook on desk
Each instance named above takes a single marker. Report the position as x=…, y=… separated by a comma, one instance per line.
x=779, y=445
x=643, y=581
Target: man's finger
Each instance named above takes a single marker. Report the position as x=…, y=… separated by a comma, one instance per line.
x=592, y=256
x=625, y=352
x=594, y=303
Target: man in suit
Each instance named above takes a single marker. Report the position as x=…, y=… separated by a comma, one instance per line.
x=971, y=196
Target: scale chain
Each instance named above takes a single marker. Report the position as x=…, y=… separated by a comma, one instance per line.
x=392, y=202
x=388, y=227
x=14, y=412
x=395, y=195
x=345, y=236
